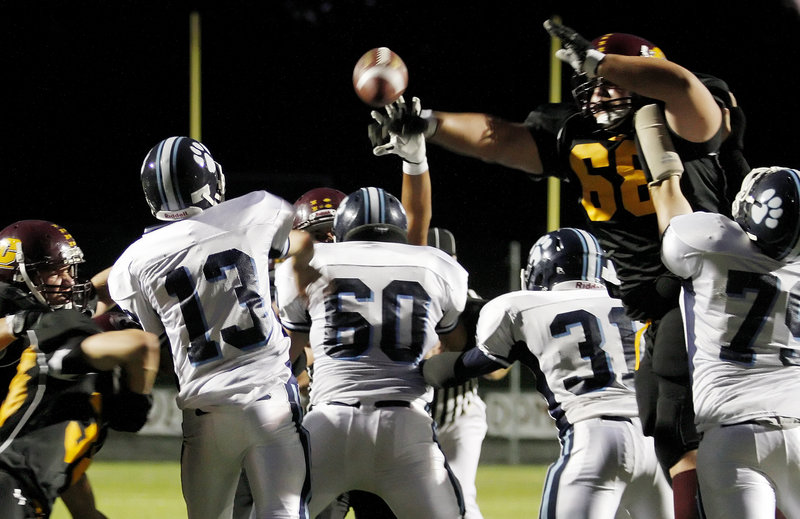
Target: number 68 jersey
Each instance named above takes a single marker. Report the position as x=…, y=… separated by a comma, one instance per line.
x=742, y=320
x=374, y=314
x=204, y=282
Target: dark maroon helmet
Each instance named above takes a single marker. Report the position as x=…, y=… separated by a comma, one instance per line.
x=28, y=247
x=315, y=210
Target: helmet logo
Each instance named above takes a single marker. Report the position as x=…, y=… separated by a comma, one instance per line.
x=767, y=209
x=325, y=203
x=8, y=253
x=202, y=157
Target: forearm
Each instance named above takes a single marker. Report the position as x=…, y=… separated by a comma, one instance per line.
x=416, y=198
x=669, y=201
x=100, y=283
x=488, y=138
x=451, y=368
x=136, y=351
x=690, y=108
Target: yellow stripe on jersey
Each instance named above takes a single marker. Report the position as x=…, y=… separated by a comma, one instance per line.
x=18, y=388
x=637, y=343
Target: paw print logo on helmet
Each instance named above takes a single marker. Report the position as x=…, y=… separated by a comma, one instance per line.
x=768, y=208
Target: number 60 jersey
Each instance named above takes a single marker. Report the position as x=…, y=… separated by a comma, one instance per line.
x=374, y=314
x=206, y=279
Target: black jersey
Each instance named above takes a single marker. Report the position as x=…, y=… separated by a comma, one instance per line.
x=607, y=172
x=51, y=420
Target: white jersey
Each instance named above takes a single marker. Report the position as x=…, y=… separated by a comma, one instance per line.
x=372, y=316
x=205, y=278
x=579, y=343
x=742, y=320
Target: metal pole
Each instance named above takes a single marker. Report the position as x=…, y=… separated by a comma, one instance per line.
x=554, y=184
x=194, y=75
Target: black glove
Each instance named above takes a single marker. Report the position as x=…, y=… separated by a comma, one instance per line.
x=127, y=411
x=578, y=52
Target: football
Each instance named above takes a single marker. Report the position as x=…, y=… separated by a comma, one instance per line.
x=380, y=77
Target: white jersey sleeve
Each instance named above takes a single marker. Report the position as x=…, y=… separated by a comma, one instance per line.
x=579, y=344
x=677, y=250
x=204, y=281
x=742, y=333
x=374, y=314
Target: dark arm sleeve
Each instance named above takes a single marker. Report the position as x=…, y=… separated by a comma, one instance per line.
x=451, y=368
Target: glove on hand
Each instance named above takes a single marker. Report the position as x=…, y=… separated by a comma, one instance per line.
x=399, y=121
x=578, y=52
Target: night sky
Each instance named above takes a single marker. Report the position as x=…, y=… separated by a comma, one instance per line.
x=91, y=87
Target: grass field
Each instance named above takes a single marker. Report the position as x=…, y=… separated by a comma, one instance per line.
x=151, y=490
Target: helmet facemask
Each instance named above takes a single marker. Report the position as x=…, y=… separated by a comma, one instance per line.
x=77, y=295
x=609, y=114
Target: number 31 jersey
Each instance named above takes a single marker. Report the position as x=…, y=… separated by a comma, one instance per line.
x=579, y=343
x=204, y=282
x=374, y=314
x=742, y=319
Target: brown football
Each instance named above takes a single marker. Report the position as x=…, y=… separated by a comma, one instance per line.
x=380, y=77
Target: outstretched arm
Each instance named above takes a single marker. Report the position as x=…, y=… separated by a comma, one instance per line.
x=663, y=166
x=476, y=135
x=690, y=109
x=136, y=351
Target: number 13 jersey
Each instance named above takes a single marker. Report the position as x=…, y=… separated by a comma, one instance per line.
x=374, y=314
x=204, y=282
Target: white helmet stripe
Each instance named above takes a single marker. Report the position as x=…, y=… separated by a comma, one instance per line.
x=167, y=185
x=591, y=269
x=374, y=209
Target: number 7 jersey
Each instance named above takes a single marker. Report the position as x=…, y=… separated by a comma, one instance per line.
x=204, y=282
x=742, y=319
x=374, y=314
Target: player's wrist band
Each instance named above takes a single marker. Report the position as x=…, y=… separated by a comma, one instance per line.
x=414, y=168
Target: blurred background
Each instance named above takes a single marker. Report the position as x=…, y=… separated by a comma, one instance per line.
x=92, y=86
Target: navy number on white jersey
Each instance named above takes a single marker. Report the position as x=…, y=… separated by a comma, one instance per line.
x=766, y=288
x=179, y=284
x=404, y=308
x=591, y=348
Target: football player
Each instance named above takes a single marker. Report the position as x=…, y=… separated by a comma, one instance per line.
x=202, y=280
x=372, y=316
x=592, y=143
x=58, y=406
x=742, y=326
x=580, y=344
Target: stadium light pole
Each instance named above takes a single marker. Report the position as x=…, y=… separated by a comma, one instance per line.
x=554, y=184
x=194, y=76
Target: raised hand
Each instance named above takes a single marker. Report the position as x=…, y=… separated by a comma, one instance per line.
x=400, y=131
x=578, y=52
